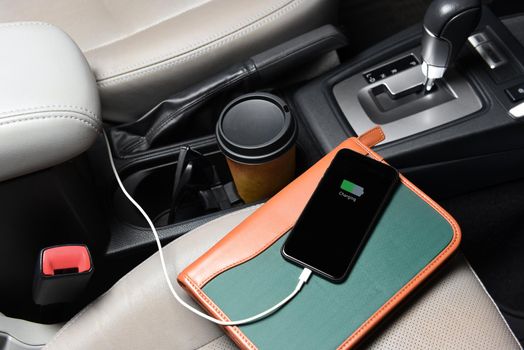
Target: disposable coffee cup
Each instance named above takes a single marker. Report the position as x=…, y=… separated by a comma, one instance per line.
x=257, y=134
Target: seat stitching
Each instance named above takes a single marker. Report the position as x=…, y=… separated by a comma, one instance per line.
x=104, y=81
x=21, y=24
x=78, y=109
x=217, y=36
x=82, y=109
x=89, y=124
x=137, y=31
x=158, y=66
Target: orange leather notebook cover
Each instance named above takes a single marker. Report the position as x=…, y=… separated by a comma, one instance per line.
x=274, y=219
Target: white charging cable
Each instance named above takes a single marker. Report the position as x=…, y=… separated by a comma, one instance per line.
x=302, y=279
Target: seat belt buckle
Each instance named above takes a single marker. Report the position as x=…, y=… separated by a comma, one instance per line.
x=62, y=274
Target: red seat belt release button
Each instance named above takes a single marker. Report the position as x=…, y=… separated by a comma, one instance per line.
x=62, y=274
x=65, y=259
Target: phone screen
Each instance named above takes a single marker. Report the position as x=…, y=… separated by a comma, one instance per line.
x=340, y=214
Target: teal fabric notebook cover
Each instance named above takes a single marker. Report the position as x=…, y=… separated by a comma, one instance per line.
x=410, y=239
x=408, y=236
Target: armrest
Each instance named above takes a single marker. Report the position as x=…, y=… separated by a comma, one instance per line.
x=49, y=104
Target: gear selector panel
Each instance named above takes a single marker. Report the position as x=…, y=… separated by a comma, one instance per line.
x=397, y=102
x=390, y=69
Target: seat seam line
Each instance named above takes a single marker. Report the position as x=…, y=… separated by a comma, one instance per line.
x=29, y=119
x=151, y=65
x=42, y=109
x=25, y=24
x=142, y=29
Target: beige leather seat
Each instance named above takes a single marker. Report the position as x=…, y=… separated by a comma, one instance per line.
x=144, y=50
x=453, y=312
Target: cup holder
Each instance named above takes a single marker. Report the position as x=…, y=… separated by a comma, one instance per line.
x=204, y=187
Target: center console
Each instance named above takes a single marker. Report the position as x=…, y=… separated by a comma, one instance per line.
x=450, y=135
x=461, y=135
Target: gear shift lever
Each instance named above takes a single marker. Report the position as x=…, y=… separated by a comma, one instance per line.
x=447, y=24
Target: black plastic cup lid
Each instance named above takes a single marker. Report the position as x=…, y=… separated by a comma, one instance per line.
x=256, y=128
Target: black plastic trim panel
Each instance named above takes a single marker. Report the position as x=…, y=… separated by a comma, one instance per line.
x=490, y=134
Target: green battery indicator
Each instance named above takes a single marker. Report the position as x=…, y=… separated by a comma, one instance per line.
x=352, y=188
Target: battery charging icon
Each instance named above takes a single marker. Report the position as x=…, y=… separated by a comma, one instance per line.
x=352, y=188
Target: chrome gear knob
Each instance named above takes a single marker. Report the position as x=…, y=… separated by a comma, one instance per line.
x=447, y=25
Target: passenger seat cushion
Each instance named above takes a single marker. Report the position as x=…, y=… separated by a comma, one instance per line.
x=139, y=312
x=453, y=311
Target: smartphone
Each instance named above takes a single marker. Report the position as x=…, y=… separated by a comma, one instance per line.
x=337, y=220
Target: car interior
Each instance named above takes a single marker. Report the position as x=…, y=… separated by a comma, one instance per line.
x=182, y=91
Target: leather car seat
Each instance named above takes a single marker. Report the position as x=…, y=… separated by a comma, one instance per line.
x=142, y=51
x=453, y=311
